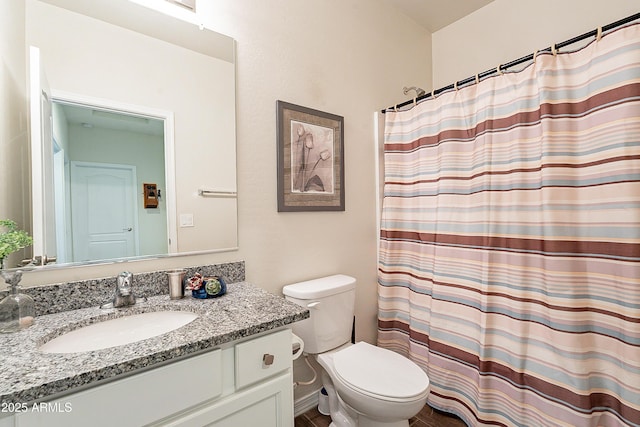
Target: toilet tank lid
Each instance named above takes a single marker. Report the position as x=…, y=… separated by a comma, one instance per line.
x=322, y=287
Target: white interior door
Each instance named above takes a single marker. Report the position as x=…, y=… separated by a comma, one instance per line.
x=104, y=204
x=42, y=195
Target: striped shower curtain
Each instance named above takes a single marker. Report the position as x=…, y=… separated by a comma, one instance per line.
x=509, y=262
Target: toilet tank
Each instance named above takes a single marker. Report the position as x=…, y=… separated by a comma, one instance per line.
x=331, y=303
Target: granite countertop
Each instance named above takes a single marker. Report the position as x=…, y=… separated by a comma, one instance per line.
x=29, y=375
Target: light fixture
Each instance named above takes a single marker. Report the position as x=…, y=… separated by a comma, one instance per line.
x=189, y=4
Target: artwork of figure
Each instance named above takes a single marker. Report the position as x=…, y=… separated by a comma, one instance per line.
x=311, y=154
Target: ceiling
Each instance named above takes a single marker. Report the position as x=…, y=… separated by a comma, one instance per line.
x=95, y=118
x=436, y=14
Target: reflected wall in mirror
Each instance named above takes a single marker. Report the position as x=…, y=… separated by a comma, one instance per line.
x=101, y=161
x=87, y=57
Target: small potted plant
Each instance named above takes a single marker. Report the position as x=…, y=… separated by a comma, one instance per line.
x=11, y=239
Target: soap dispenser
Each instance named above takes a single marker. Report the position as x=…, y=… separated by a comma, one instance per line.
x=17, y=311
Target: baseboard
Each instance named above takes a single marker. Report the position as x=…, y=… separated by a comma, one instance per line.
x=305, y=403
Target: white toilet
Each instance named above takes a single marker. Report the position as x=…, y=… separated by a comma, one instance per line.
x=368, y=386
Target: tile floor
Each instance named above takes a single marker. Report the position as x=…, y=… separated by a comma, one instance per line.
x=428, y=417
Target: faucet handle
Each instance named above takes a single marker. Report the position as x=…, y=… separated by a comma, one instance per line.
x=124, y=282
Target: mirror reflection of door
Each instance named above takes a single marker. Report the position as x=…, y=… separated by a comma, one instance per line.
x=107, y=155
x=104, y=206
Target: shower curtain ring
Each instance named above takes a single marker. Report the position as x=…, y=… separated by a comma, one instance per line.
x=599, y=34
x=554, y=51
x=455, y=85
x=477, y=79
x=535, y=55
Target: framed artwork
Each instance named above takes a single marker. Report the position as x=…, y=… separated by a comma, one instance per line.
x=310, y=159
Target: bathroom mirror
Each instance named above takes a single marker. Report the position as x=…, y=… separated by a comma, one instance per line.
x=118, y=53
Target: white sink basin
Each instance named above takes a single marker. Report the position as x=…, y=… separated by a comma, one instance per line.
x=119, y=331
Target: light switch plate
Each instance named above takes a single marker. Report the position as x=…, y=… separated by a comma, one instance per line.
x=186, y=220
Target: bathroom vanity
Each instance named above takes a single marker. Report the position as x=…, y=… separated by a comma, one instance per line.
x=230, y=366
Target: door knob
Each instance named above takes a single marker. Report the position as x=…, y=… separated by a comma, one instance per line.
x=127, y=229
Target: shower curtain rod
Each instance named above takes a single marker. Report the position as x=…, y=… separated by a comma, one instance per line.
x=518, y=61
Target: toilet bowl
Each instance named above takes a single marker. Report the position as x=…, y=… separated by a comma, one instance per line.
x=382, y=387
x=368, y=386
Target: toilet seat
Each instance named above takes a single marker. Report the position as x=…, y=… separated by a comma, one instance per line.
x=380, y=373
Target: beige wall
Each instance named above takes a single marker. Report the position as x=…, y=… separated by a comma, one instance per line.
x=13, y=116
x=505, y=30
x=346, y=57
x=349, y=58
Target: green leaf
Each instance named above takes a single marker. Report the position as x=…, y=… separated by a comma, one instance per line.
x=12, y=239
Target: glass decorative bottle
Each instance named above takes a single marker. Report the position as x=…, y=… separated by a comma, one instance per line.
x=17, y=311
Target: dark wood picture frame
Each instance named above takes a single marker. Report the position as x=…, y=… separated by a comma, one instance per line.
x=310, y=159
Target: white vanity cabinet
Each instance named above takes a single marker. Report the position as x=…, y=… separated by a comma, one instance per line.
x=262, y=388
x=244, y=383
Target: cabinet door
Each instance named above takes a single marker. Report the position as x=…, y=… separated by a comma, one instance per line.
x=267, y=404
x=136, y=400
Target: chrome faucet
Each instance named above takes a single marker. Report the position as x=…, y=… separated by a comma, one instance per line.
x=124, y=292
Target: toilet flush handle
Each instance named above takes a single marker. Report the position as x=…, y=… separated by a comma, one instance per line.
x=313, y=304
